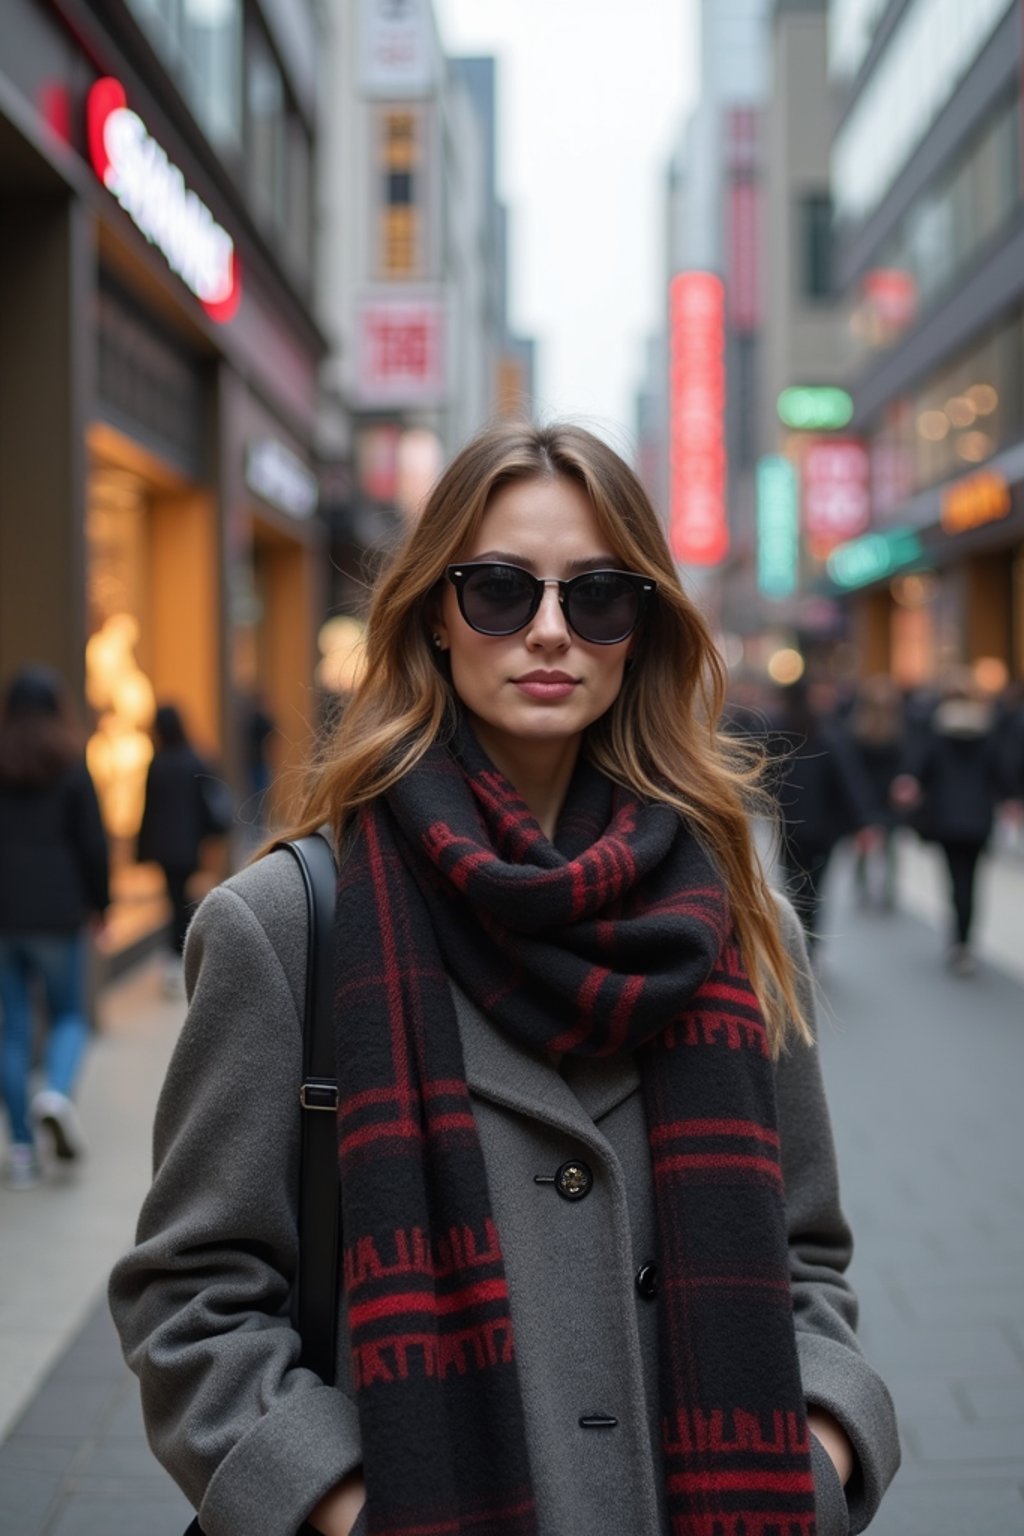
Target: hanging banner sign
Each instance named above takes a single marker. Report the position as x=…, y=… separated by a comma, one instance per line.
x=400, y=351
x=280, y=477
x=778, y=527
x=836, y=492
x=398, y=51
x=151, y=189
x=698, y=526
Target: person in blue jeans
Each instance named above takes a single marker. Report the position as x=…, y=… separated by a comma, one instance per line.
x=54, y=883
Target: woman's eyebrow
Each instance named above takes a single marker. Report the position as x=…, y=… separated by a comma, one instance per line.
x=573, y=567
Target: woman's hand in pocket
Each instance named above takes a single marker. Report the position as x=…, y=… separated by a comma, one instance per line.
x=338, y=1511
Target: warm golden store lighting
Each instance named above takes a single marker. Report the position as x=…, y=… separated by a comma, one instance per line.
x=913, y=591
x=961, y=410
x=785, y=667
x=933, y=426
x=975, y=446
x=984, y=398
x=990, y=674
x=120, y=749
x=343, y=656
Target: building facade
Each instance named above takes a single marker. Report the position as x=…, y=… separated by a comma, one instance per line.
x=159, y=354
x=412, y=279
x=929, y=210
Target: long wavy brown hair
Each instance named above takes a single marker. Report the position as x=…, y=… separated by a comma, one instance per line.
x=660, y=738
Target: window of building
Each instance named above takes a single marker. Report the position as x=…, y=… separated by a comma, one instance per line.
x=947, y=228
x=266, y=136
x=960, y=416
x=816, y=245
x=932, y=47
x=200, y=42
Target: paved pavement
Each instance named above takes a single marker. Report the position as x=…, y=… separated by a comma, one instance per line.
x=924, y=1074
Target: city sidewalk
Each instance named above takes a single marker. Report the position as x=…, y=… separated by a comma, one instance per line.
x=924, y=1076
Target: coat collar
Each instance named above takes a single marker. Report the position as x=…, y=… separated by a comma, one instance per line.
x=500, y=1068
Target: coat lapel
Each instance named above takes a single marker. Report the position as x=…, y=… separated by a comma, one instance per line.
x=500, y=1068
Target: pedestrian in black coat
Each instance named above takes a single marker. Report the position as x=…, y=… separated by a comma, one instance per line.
x=877, y=741
x=183, y=806
x=53, y=885
x=822, y=796
x=952, y=783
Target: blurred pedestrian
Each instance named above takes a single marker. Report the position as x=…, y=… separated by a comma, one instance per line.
x=877, y=738
x=185, y=804
x=950, y=786
x=561, y=991
x=822, y=795
x=53, y=889
x=257, y=730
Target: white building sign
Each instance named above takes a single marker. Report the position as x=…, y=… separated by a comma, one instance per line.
x=401, y=351
x=279, y=476
x=397, y=48
x=151, y=189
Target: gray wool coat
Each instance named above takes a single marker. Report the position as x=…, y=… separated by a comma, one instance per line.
x=201, y=1302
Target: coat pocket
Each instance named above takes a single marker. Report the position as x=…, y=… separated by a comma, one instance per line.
x=830, y=1500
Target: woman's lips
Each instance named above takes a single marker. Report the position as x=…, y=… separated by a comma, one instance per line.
x=551, y=686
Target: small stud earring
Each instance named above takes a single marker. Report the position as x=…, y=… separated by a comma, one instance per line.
x=437, y=643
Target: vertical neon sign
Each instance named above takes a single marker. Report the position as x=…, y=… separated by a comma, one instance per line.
x=698, y=527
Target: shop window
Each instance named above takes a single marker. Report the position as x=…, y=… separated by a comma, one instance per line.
x=816, y=245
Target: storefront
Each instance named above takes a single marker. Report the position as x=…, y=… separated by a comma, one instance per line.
x=159, y=538
x=945, y=589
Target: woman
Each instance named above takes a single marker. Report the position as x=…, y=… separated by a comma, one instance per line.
x=570, y=1278
x=176, y=817
x=53, y=887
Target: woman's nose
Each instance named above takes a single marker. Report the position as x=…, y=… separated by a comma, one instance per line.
x=548, y=626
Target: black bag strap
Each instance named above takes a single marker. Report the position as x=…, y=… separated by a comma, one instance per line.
x=316, y=1293
x=315, y=1309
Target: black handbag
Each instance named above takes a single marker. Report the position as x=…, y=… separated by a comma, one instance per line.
x=315, y=1297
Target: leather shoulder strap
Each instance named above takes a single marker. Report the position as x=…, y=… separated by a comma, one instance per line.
x=316, y=1293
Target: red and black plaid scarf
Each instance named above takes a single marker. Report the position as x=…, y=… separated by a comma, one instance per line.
x=616, y=937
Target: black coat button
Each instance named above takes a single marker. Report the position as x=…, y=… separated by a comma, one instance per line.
x=574, y=1180
x=647, y=1281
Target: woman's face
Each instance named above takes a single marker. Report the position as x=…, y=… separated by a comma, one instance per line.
x=542, y=684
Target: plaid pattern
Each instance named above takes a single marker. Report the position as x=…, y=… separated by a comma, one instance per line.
x=616, y=936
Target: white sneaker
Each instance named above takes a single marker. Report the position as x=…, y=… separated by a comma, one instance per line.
x=22, y=1170
x=57, y=1118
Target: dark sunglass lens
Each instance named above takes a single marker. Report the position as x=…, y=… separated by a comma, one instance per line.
x=603, y=607
x=497, y=599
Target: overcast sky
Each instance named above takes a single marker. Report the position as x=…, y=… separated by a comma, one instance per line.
x=591, y=95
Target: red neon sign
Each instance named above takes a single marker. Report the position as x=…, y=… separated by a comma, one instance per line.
x=698, y=529
x=151, y=189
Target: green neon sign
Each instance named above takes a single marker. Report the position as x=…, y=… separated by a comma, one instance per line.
x=815, y=408
x=873, y=557
x=778, y=527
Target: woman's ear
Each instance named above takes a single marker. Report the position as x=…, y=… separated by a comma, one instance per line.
x=437, y=629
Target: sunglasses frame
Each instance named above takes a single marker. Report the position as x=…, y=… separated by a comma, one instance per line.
x=459, y=573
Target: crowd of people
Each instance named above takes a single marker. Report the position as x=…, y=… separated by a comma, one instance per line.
x=946, y=761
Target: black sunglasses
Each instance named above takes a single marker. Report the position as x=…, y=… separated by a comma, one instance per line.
x=602, y=607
